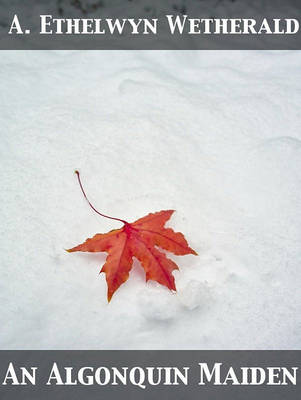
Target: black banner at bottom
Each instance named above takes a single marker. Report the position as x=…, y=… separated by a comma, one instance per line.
x=137, y=374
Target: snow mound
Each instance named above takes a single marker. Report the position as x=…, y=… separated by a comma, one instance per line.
x=213, y=135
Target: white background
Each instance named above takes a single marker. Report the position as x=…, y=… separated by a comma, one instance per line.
x=214, y=135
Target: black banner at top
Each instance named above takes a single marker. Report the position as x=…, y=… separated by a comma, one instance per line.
x=149, y=24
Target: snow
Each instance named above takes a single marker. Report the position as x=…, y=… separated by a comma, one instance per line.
x=214, y=135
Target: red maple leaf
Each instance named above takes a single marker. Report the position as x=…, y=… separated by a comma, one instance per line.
x=137, y=239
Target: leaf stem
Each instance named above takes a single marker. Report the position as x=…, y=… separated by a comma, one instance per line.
x=93, y=208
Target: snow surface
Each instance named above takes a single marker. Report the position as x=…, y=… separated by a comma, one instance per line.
x=214, y=135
